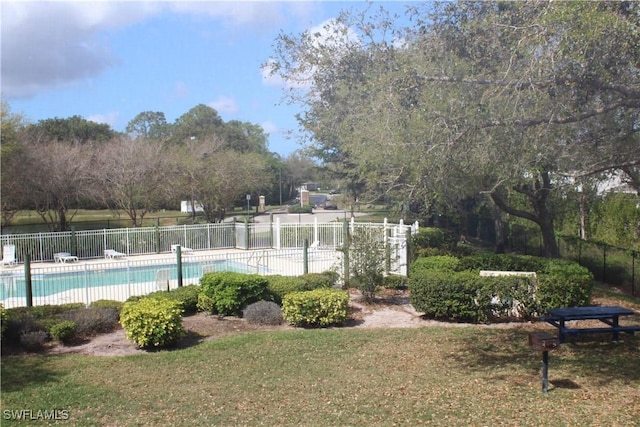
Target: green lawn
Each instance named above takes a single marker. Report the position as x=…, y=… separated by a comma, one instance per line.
x=443, y=376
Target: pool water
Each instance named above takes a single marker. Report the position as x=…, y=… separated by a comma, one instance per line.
x=13, y=284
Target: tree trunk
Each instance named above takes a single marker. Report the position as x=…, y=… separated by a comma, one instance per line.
x=499, y=229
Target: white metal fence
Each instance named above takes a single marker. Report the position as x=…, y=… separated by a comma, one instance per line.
x=272, y=248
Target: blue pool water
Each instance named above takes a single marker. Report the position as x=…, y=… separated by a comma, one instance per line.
x=13, y=284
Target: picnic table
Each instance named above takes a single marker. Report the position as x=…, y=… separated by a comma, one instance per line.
x=609, y=315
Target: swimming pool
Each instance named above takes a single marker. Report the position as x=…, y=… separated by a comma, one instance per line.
x=137, y=279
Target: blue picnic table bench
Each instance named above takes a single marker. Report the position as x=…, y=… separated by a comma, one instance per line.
x=609, y=315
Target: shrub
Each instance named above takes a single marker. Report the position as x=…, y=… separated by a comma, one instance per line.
x=367, y=256
x=152, y=322
x=446, y=295
x=64, y=331
x=206, y=304
x=108, y=303
x=231, y=292
x=34, y=340
x=430, y=237
x=564, y=284
x=395, y=282
x=187, y=296
x=317, y=308
x=263, y=313
x=92, y=321
x=279, y=286
x=503, y=262
x=437, y=263
x=319, y=280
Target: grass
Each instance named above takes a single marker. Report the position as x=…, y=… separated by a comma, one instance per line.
x=444, y=376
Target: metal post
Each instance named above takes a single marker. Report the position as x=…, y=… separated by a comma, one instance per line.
x=633, y=273
x=74, y=243
x=179, y=263
x=345, y=252
x=27, y=279
x=545, y=371
x=157, y=235
x=305, y=256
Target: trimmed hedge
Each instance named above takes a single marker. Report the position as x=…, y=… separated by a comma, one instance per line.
x=279, y=286
x=564, y=284
x=317, y=308
x=152, y=322
x=466, y=296
x=503, y=262
x=231, y=292
x=438, y=263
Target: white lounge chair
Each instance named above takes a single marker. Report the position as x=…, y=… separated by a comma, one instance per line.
x=113, y=254
x=64, y=257
x=174, y=249
x=9, y=255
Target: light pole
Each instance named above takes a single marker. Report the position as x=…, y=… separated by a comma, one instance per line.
x=248, y=198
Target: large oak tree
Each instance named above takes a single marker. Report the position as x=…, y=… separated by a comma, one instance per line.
x=502, y=99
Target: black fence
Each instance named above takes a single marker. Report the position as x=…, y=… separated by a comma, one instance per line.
x=609, y=264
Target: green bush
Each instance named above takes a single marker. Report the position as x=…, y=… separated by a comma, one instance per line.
x=319, y=280
x=24, y=320
x=431, y=237
x=395, y=282
x=317, y=308
x=152, y=322
x=438, y=263
x=263, y=313
x=187, y=296
x=231, y=292
x=503, y=262
x=446, y=295
x=279, y=286
x=564, y=284
x=206, y=304
x=64, y=331
x=108, y=303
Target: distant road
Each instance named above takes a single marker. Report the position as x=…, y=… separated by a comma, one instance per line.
x=320, y=214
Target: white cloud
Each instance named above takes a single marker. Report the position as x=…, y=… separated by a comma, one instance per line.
x=270, y=127
x=48, y=44
x=110, y=118
x=224, y=105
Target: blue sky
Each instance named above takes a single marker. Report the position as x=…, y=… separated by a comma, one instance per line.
x=108, y=61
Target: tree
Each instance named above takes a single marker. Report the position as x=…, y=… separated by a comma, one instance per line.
x=502, y=99
x=74, y=129
x=12, y=162
x=149, y=124
x=134, y=176
x=216, y=176
x=57, y=180
x=198, y=123
x=244, y=137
